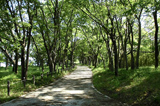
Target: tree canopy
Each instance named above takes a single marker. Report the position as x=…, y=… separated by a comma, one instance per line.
x=114, y=33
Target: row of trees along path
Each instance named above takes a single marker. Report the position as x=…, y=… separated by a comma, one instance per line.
x=24, y=81
x=72, y=90
x=117, y=33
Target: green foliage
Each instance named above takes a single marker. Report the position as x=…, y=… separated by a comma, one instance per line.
x=91, y=22
x=135, y=87
x=1, y=57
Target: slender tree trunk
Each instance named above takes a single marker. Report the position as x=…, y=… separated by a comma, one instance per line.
x=120, y=62
x=71, y=59
x=110, y=55
x=118, y=53
x=139, y=44
x=115, y=57
x=51, y=64
x=27, y=57
x=6, y=63
x=156, y=38
x=63, y=63
x=132, y=56
x=113, y=38
x=125, y=43
x=125, y=55
x=23, y=67
x=51, y=67
x=16, y=61
x=55, y=67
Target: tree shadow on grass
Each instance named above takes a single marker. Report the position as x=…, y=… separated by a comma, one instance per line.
x=66, y=91
x=4, y=72
x=136, y=87
x=147, y=93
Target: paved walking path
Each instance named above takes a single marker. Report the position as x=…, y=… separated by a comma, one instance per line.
x=72, y=90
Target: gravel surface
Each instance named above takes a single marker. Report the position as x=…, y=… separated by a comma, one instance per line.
x=75, y=89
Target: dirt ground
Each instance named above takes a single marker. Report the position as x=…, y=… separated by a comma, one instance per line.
x=75, y=89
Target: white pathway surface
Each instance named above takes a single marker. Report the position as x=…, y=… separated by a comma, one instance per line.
x=72, y=90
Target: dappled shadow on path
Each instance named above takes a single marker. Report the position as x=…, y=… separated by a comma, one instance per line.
x=72, y=90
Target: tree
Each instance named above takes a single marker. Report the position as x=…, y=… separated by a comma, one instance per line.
x=156, y=5
x=18, y=21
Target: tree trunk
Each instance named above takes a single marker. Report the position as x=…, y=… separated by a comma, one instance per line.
x=23, y=67
x=113, y=38
x=6, y=63
x=63, y=63
x=125, y=55
x=51, y=67
x=120, y=60
x=132, y=56
x=125, y=43
x=55, y=67
x=16, y=62
x=115, y=57
x=110, y=55
x=28, y=46
x=156, y=38
x=72, y=59
x=139, y=44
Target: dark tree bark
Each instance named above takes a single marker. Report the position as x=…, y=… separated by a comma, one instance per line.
x=6, y=63
x=139, y=37
x=95, y=60
x=131, y=44
x=15, y=66
x=110, y=56
x=139, y=44
x=115, y=56
x=113, y=38
x=73, y=45
x=125, y=43
x=108, y=49
x=23, y=67
x=156, y=38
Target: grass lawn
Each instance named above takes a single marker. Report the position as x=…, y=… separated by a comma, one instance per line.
x=17, y=89
x=140, y=87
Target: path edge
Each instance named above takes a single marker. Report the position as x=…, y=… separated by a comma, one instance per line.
x=37, y=89
x=125, y=104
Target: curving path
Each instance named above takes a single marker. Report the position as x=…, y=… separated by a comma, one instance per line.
x=72, y=90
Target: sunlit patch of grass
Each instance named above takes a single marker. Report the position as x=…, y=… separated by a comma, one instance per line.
x=17, y=89
x=136, y=87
